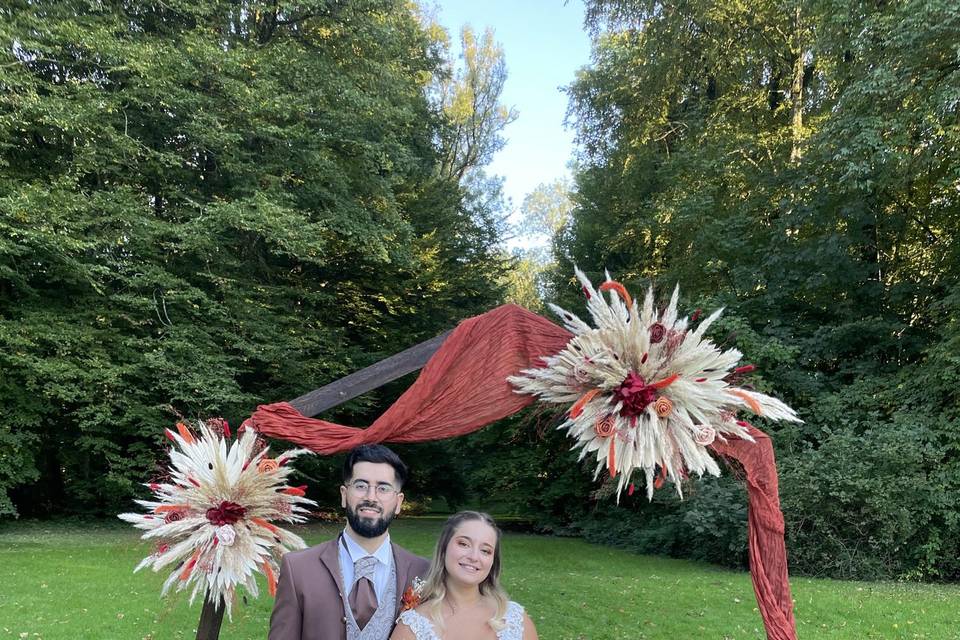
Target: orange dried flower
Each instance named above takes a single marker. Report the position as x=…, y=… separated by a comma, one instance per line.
x=663, y=406
x=620, y=289
x=410, y=599
x=271, y=579
x=605, y=426
x=267, y=465
x=578, y=406
x=185, y=433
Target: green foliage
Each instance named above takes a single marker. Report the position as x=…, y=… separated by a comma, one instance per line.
x=710, y=524
x=469, y=96
x=207, y=206
x=877, y=494
x=798, y=167
x=528, y=470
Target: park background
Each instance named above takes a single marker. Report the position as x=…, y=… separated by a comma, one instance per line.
x=208, y=206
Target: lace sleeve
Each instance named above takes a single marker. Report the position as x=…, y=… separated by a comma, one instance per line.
x=514, y=623
x=421, y=627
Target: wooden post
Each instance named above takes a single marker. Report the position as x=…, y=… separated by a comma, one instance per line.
x=210, y=620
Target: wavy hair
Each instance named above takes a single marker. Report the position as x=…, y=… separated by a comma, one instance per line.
x=435, y=584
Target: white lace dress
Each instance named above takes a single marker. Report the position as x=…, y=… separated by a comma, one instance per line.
x=423, y=629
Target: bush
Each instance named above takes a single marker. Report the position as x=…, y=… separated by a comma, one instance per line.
x=876, y=501
x=709, y=524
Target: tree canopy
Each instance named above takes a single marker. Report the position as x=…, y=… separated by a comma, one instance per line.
x=206, y=206
x=797, y=164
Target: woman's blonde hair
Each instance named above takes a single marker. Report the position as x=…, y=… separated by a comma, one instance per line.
x=435, y=585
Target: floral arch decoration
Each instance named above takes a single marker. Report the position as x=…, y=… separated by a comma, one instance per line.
x=647, y=394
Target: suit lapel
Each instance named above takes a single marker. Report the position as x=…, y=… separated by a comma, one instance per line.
x=330, y=557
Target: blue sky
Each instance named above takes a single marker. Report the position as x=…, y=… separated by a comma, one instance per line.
x=544, y=44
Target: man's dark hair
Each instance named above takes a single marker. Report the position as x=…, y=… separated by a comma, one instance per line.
x=376, y=453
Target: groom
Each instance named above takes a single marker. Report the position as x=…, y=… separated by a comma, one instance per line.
x=351, y=587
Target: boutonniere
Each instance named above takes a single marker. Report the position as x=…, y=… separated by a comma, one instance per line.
x=411, y=597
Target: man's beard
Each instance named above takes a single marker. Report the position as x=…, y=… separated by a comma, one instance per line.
x=369, y=527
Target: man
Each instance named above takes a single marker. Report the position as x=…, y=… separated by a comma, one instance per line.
x=351, y=587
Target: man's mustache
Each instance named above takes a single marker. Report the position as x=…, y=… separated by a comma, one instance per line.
x=369, y=505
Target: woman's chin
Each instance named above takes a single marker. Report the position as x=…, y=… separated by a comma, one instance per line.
x=467, y=578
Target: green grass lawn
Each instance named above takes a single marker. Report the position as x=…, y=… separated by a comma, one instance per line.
x=61, y=581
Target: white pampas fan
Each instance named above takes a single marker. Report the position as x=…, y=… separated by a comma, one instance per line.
x=212, y=521
x=646, y=390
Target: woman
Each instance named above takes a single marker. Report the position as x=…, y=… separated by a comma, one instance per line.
x=462, y=597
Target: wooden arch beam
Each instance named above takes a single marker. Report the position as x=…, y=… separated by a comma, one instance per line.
x=367, y=379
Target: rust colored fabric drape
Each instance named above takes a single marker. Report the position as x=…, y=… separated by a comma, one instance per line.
x=463, y=387
x=765, y=528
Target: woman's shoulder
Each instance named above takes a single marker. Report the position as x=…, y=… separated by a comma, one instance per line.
x=418, y=622
x=514, y=615
x=513, y=622
x=412, y=614
x=519, y=622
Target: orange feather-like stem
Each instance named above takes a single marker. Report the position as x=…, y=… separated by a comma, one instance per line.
x=666, y=382
x=189, y=566
x=661, y=478
x=266, y=525
x=185, y=432
x=271, y=579
x=751, y=402
x=169, y=508
x=611, y=458
x=578, y=406
x=620, y=289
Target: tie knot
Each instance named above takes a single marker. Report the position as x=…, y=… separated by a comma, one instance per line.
x=364, y=567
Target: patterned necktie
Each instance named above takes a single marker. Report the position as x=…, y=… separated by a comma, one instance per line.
x=363, y=597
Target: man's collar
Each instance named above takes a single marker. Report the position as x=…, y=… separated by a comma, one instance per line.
x=384, y=554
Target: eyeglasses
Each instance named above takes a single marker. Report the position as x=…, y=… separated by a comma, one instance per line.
x=361, y=487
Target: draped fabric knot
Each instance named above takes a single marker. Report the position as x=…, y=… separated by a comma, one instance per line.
x=363, y=597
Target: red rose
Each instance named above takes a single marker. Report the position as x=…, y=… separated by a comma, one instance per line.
x=635, y=394
x=657, y=332
x=173, y=516
x=226, y=513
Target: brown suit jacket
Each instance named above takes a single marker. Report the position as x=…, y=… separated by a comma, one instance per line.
x=309, y=605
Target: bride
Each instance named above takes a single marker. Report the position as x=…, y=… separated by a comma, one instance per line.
x=461, y=597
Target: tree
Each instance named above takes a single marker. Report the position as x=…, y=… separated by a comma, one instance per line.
x=208, y=206
x=469, y=97
x=546, y=210
x=545, y=213
x=793, y=164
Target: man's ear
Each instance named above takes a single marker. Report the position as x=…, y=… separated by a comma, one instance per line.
x=396, y=511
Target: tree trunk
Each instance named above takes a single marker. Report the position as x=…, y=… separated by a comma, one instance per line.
x=796, y=90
